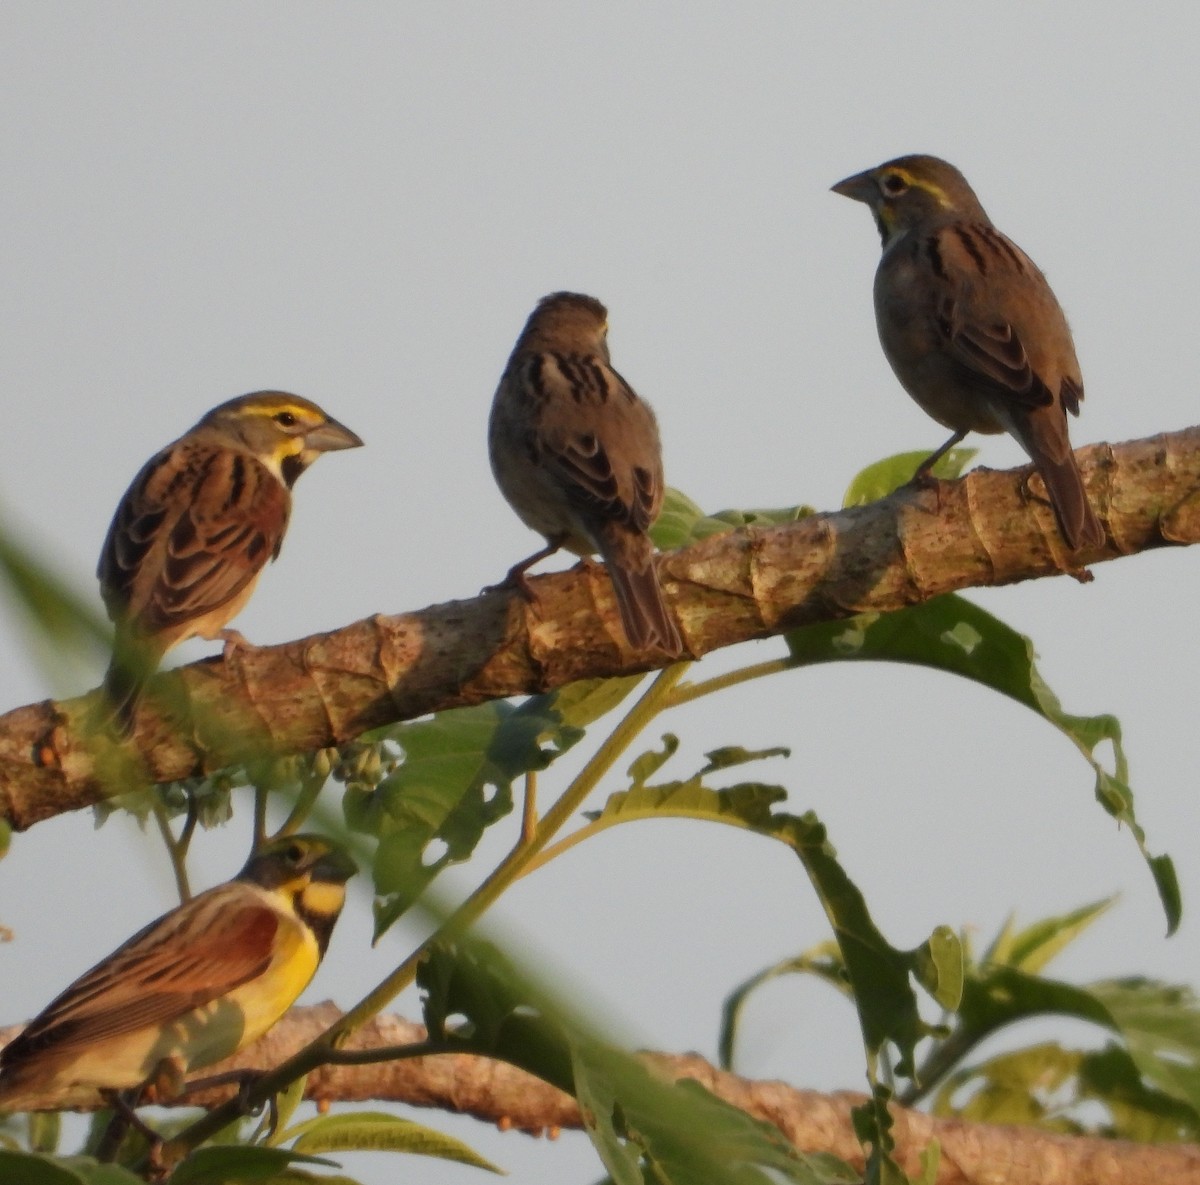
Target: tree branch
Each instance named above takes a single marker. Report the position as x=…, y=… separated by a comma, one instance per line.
x=495, y=1092
x=988, y=528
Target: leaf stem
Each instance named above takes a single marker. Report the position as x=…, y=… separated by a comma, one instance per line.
x=694, y=691
x=306, y=796
x=177, y=849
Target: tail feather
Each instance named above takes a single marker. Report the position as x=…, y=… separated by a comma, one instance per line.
x=133, y=661
x=647, y=622
x=1076, y=519
x=1042, y=432
x=122, y=689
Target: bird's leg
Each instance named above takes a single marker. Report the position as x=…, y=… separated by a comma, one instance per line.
x=244, y=1080
x=124, y=1118
x=234, y=640
x=921, y=476
x=114, y=1133
x=516, y=577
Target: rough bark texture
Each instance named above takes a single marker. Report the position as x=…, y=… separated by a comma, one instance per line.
x=988, y=528
x=971, y=1153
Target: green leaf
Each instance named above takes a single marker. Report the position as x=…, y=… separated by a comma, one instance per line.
x=729, y=756
x=683, y=1133
x=877, y=972
x=872, y=1122
x=931, y=1159
x=647, y=764
x=682, y=522
x=1034, y=947
x=731, y=1010
x=1160, y=1024
x=95, y=1173
x=939, y=967
x=1002, y=996
x=27, y=1168
x=1150, y=1087
x=61, y=616
x=45, y=1130
x=31, y=1169
x=581, y=704
x=376, y=1131
x=951, y=634
x=473, y=982
x=883, y=477
x=242, y=1165
x=1014, y=1088
x=1139, y=1110
x=453, y=782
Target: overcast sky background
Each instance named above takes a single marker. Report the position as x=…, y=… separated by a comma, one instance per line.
x=361, y=203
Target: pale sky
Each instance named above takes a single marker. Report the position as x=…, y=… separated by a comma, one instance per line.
x=361, y=203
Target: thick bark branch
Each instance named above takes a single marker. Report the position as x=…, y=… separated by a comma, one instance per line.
x=985, y=529
x=971, y=1153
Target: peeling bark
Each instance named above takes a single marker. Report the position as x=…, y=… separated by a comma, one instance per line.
x=988, y=528
x=495, y=1092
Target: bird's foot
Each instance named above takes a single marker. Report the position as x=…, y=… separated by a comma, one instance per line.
x=234, y=641
x=516, y=577
x=517, y=581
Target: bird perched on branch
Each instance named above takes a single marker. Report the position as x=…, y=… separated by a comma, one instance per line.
x=195, y=529
x=190, y=989
x=971, y=327
x=577, y=455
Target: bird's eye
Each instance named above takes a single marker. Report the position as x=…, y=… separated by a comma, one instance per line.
x=894, y=184
x=294, y=854
x=285, y=419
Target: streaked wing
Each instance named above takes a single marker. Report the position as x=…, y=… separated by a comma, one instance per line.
x=972, y=316
x=607, y=459
x=195, y=528
x=195, y=954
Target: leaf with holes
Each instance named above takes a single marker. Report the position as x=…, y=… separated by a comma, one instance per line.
x=453, y=781
x=951, y=634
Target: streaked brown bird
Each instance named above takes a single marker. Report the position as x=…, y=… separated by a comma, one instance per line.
x=195, y=529
x=972, y=328
x=192, y=988
x=576, y=452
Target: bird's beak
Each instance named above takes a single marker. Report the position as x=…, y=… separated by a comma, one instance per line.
x=861, y=187
x=331, y=436
x=335, y=867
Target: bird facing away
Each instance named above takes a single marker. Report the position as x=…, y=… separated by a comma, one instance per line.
x=972, y=328
x=195, y=529
x=576, y=453
x=192, y=988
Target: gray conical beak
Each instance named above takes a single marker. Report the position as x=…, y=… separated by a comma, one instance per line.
x=335, y=867
x=331, y=436
x=861, y=187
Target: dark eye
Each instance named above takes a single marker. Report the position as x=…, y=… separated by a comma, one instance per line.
x=285, y=419
x=894, y=184
x=295, y=854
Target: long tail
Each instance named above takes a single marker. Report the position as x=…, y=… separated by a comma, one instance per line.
x=1042, y=432
x=1076, y=519
x=648, y=623
x=122, y=690
x=132, y=663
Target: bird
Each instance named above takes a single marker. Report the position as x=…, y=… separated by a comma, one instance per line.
x=972, y=329
x=196, y=527
x=192, y=988
x=576, y=453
